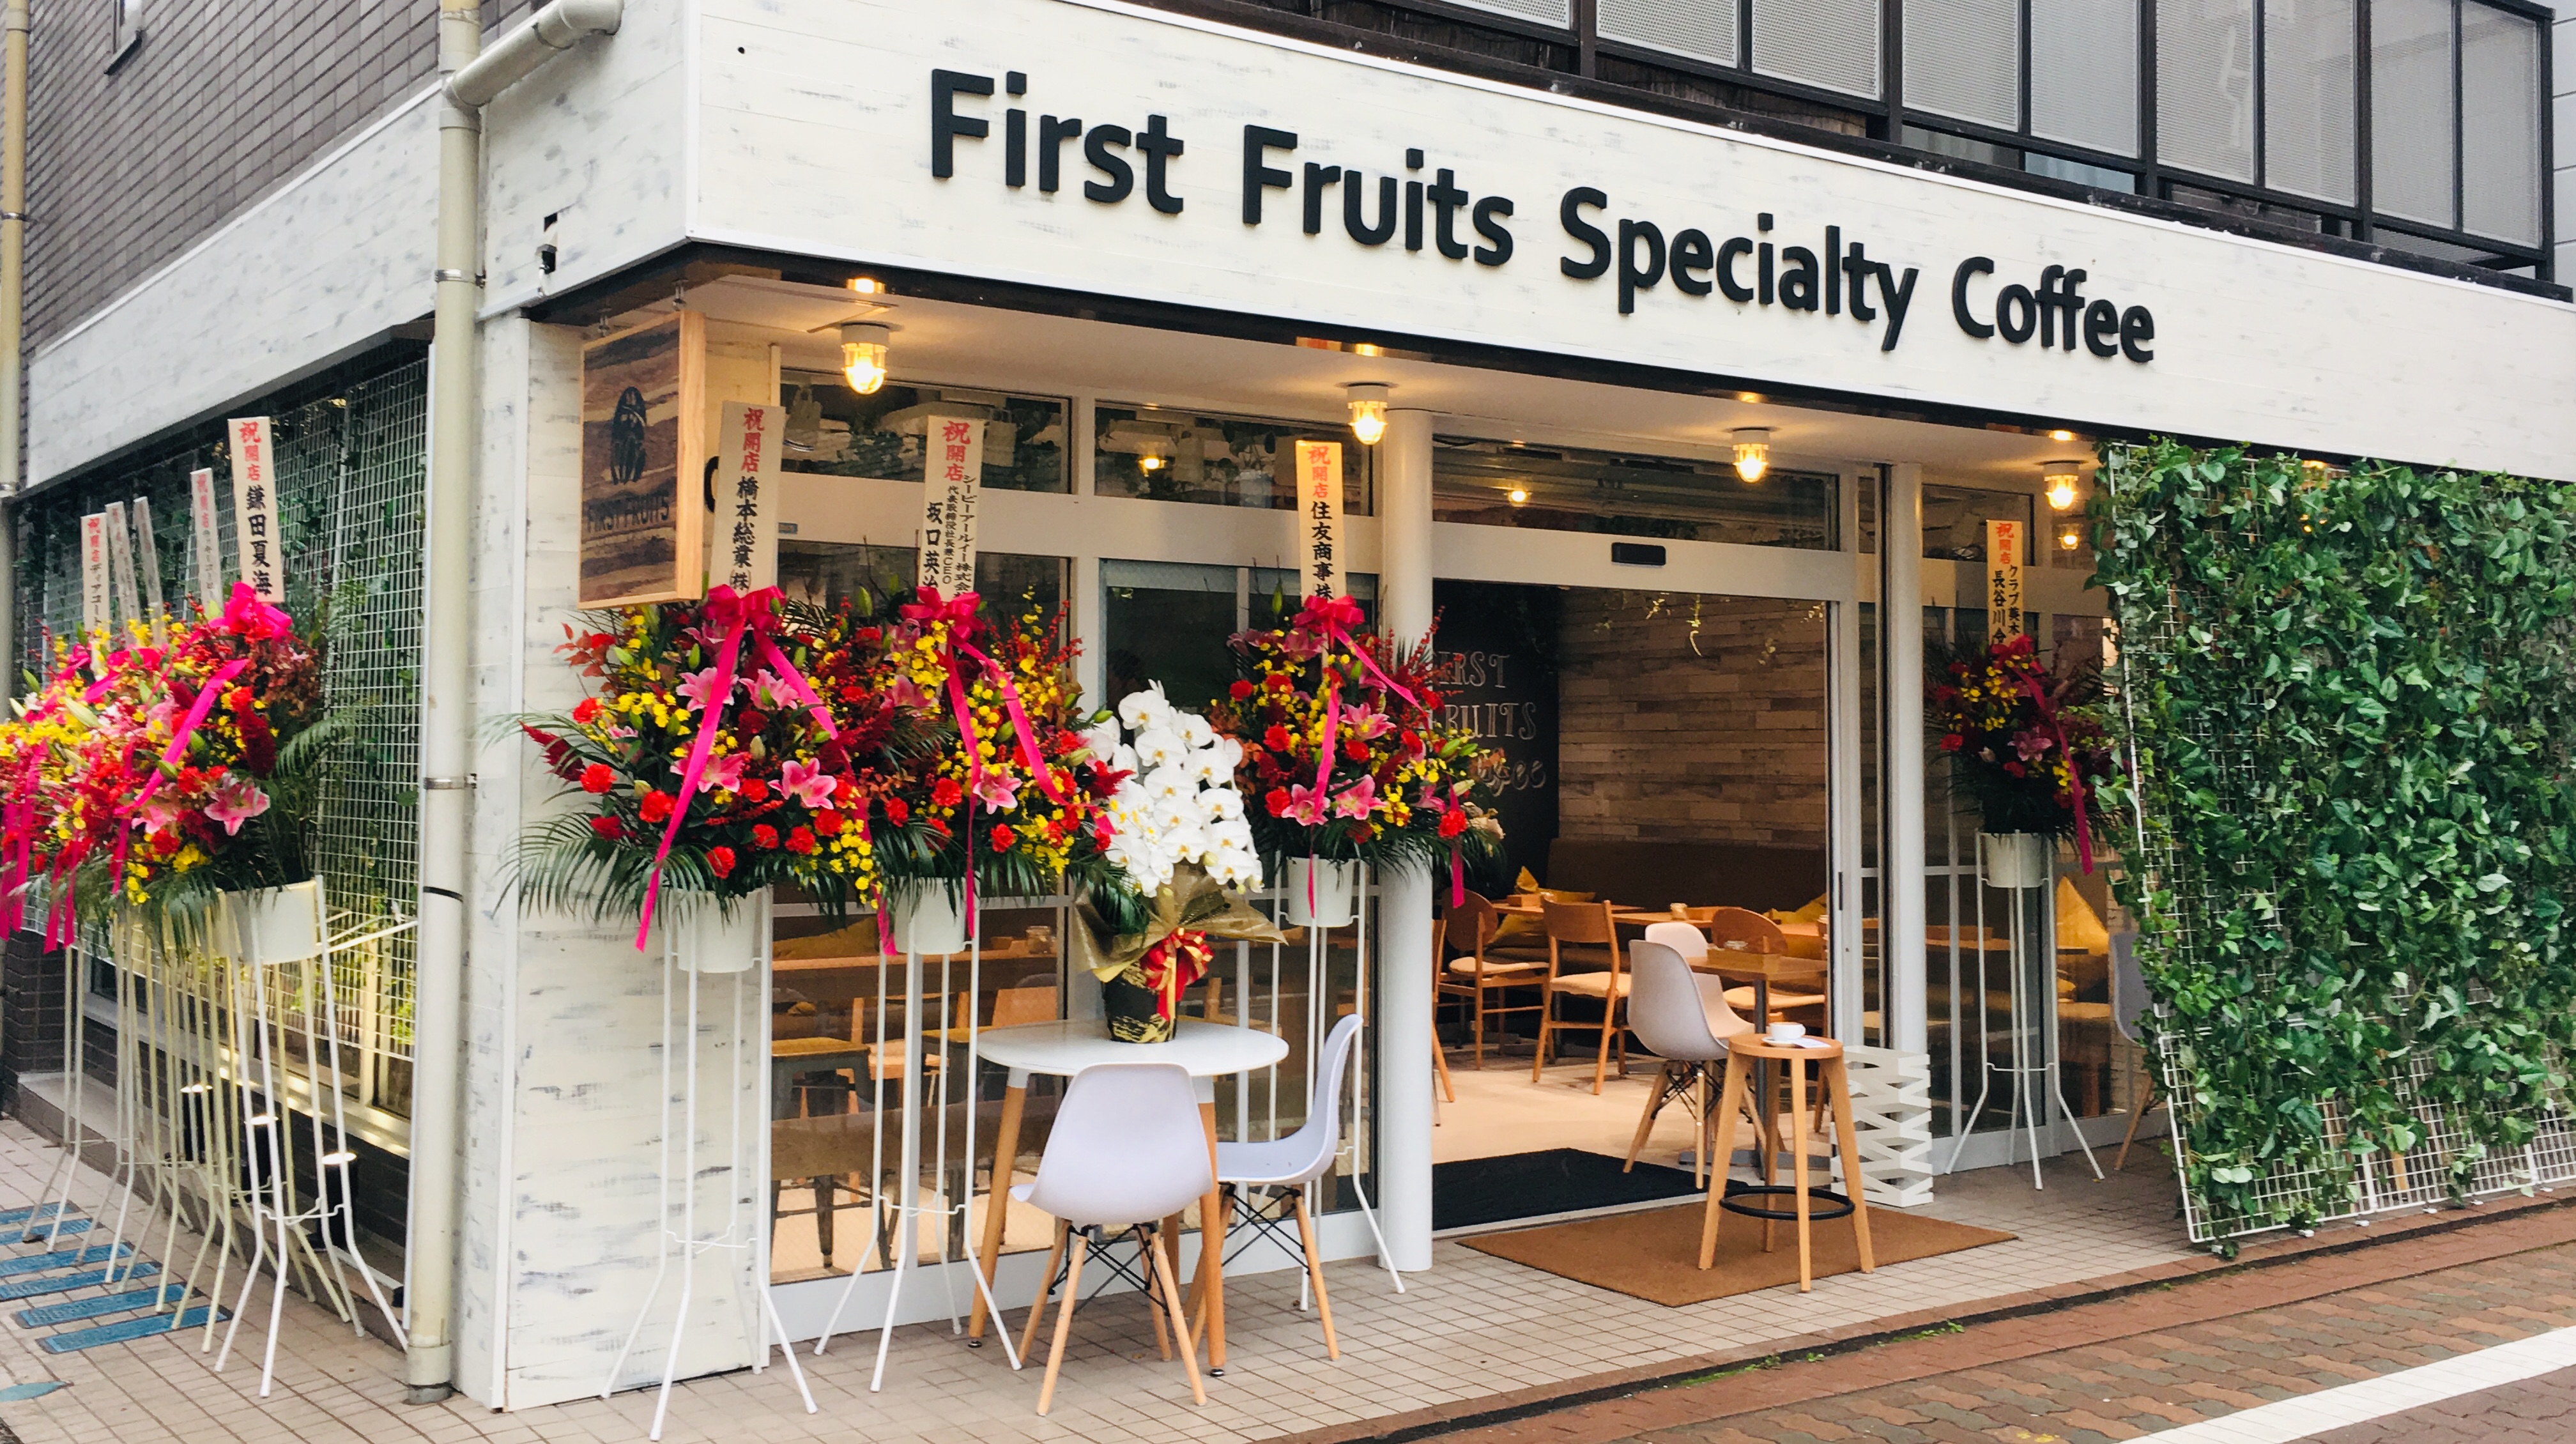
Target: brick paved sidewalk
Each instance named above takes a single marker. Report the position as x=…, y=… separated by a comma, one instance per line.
x=2126, y=1367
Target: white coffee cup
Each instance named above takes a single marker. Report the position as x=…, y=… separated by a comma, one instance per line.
x=1785, y=1032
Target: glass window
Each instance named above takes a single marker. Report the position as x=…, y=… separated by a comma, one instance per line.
x=829, y=573
x=1167, y=622
x=1215, y=460
x=2410, y=109
x=2096, y=176
x=1955, y=517
x=1494, y=483
x=834, y=431
x=2205, y=86
x=2308, y=97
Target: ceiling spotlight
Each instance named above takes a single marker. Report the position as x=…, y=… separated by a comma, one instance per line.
x=867, y=285
x=1152, y=453
x=2069, y=538
x=863, y=355
x=1368, y=411
x=2061, y=436
x=2062, y=477
x=1518, y=495
x=1752, y=452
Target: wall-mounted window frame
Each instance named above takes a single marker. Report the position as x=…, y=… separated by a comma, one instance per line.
x=1581, y=47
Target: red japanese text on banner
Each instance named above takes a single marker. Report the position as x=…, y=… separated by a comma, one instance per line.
x=263, y=565
x=1319, y=519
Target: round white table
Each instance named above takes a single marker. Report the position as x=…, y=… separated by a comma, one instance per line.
x=1065, y=1047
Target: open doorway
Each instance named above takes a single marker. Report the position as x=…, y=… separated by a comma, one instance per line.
x=1661, y=751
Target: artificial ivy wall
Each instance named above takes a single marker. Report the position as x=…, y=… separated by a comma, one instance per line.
x=2347, y=700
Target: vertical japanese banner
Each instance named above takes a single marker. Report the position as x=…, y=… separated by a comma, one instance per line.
x=952, y=479
x=2003, y=580
x=1319, y=517
x=745, y=531
x=94, y=603
x=255, y=508
x=205, y=525
x=120, y=564
x=147, y=560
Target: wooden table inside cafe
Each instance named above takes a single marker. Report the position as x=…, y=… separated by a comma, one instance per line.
x=1066, y=1047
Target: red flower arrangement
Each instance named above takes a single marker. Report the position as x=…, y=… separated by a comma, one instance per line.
x=2025, y=741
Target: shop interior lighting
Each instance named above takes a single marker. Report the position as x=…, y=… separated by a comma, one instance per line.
x=2062, y=477
x=1152, y=453
x=2061, y=436
x=1519, y=494
x=863, y=355
x=2069, y=538
x=1752, y=452
x=1368, y=411
x=867, y=285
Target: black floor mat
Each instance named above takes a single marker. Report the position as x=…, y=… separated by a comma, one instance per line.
x=1475, y=1191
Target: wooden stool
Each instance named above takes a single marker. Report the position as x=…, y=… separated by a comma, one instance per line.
x=1742, y=1054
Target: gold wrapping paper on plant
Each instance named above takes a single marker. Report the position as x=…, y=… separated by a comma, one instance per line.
x=1142, y=1007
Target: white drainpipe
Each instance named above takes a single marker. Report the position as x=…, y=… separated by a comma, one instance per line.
x=474, y=76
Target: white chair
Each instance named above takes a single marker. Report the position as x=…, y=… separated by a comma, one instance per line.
x=1682, y=1017
x=1128, y=1150
x=1284, y=1166
x=2129, y=1002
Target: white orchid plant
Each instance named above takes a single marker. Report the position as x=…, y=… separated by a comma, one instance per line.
x=1178, y=804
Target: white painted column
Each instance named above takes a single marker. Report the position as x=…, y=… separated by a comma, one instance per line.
x=1405, y=897
x=1900, y=630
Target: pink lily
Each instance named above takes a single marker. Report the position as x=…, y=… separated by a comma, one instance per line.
x=701, y=691
x=724, y=772
x=1000, y=792
x=2031, y=743
x=1306, y=805
x=1357, y=800
x=904, y=692
x=769, y=692
x=1365, y=722
x=236, y=801
x=809, y=785
x=161, y=811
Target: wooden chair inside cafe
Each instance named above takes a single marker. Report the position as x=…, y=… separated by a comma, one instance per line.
x=1745, y=930
x=1583, y=962
x=1486, y=969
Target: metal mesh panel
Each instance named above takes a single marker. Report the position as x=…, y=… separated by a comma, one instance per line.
x=2084, y=73
x=2205, y=86
x=352, y=473
x=2500, y=124
x=1701, y=29
x=2308, y=97
x=2150, y=637
x=2410, y=109
x=1963, y=59
x=1827, y=43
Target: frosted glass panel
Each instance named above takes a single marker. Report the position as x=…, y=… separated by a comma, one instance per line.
x=2084, y=73
x=2308, y=97
x=1701, y=29
x=1963, y=59
x=1828, y=43
x=2499, y=124
x=2410, y=109
x=2205, y=86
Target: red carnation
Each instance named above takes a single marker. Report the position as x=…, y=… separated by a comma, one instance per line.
x=764, y=835
x=1452, y=823
x=946, y=793
x=608, y=827
x=754, y=790
x=598, y=777
x=1241, y=689
x=829, y=821
x=750, y=723
x=1279, y=680
x=656, y=806
x=1277, y=802
x=1431, y=700
x=720, y=861
x=1003, y=838
x=586, y=710
x=1355, y=749
x=801, y=841
x=1277, y=739
x=898, y=811
x=1953, y=742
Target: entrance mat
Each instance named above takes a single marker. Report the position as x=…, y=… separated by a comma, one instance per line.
x=1654, y=1255
x=1476, y=1191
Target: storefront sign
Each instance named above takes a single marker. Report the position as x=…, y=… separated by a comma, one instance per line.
x=643, y=454
x=94, y=602
x=120, y=563
x=206, y=529
x=2004, y=541
x=148, y=560
x=746, y=528
x=952, y=478
x=1319, y=517
x=255, y=508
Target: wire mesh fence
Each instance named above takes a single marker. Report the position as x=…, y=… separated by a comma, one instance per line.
x=351, y=479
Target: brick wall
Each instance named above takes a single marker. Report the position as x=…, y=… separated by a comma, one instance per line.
x=208, y=111
x=1696, y=719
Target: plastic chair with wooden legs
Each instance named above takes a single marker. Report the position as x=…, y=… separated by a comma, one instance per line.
x=1683, y=1018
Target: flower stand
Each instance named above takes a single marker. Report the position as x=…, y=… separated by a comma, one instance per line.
x=2006, y=862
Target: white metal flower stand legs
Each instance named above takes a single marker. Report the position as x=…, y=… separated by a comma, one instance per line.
x=694, y=947
x=2035, y=1065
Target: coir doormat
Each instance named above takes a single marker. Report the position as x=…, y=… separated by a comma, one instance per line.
x=1654, y=1255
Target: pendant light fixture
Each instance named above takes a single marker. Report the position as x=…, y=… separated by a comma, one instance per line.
x=863, y=355
x=1368, y=411
x=2062, y=477
x=1752, y=452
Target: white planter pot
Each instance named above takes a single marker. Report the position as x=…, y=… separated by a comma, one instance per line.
x=2015, y=859
x=706, y=941
x=276, y=925
x=1333, y=887
x=930, y=921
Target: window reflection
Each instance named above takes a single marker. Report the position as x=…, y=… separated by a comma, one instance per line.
x=1216, y=460
x=1497, y=483
x=834, y=431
